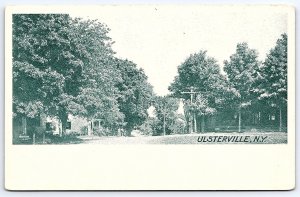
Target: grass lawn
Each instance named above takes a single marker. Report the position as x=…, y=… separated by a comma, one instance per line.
x=236, y=138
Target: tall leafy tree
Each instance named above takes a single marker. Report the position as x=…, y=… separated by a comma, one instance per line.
x=68, y=63
x=46, y=74
x=272, y=85
x=135, y=93
x=241, y=70
x=199, y=73
x=98, y=93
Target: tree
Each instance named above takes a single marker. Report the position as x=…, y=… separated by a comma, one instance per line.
x=135, y=93
x=199, y=74
x=70, y=65
x=273, y=78
x=166, y=108
x=98, y=93
x=241, y=71
x=202, y=108
x=150, y=127
x=166, y=119
x=46, y=73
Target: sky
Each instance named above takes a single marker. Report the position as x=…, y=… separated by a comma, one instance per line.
x=158, y=38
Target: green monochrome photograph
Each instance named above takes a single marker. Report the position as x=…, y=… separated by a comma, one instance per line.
x=150, y=97
x=165, y=77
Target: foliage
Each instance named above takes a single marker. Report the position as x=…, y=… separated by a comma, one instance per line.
x=166, y=119
x=166, y=113
x=149, y=127
x=242, y=71
x=98, y=93
x=36, y=78
x=177, y=125
x=46, y=72
x=66, y=66
x=273, y=74
x=135, y=93
x=201, y=74
x=271, y=86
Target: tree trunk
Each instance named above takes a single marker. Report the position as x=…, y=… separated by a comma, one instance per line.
x=129, y=131
x=187, y=124
x=280, y=120
x=192, y=123
x=64, y=119
x=195, y=122
x=44, y=137
x=164, y=125
x=213, y=122
x=239, y=120
x=24, y=125
x=90, y=128
x=63, y=126
x=202, y=123
x=33, y=138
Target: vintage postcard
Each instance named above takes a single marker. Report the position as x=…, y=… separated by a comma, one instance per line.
x=150, y=97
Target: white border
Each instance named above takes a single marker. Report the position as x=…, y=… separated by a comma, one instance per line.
x=224, y=170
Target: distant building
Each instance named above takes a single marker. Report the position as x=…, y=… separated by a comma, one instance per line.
x=180, y=109
x=151, y=112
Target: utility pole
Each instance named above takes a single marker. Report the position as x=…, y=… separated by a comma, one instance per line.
x=192, y=93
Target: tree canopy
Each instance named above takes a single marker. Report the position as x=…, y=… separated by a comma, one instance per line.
x=46, y=72
x=242, y=70
x=273, y=73
x=201, y=74
x=64, y=65
x=135, y=93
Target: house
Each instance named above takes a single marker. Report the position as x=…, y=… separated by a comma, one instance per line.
x=26, y=128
